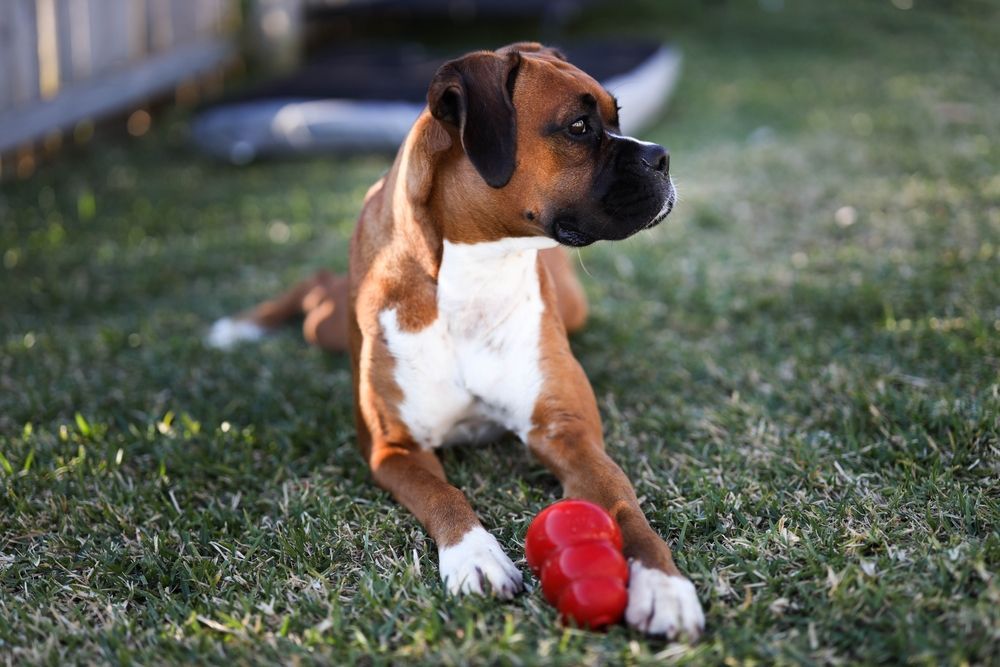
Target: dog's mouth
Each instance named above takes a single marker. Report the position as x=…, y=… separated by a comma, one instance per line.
x=570, y=229
x=566, y=234
x=569, y=234
x=668, y=206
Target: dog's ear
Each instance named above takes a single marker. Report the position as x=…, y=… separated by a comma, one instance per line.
x=532, y=47
x=474, y=94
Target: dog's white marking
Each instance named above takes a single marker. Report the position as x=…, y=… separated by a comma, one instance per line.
x=475, y=370
x=661, y=604
x=478, y=558
x=228, y=332
x=615, y=135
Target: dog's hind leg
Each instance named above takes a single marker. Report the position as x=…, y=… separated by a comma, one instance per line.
x=322, y=299
x=325, y=308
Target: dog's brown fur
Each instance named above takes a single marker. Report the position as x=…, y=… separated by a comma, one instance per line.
x=433, y=193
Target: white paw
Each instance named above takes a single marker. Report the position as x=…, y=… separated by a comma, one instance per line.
x=660, y=604
x=227, y=332
x=477, y=559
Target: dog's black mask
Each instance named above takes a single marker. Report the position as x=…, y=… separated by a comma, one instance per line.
x=631, y=191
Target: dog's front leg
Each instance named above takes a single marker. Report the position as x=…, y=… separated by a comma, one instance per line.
x=469, y=556
x=568, y=441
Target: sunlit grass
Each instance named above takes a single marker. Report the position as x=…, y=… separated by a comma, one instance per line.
x=799, y=371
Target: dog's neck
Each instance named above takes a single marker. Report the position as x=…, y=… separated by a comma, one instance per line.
x=430, y=161
x=480, y=285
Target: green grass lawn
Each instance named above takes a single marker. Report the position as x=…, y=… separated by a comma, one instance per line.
x=799, y=372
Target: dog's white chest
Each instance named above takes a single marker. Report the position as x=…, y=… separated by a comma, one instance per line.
x=474, y=372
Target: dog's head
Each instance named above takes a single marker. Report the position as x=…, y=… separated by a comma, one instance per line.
x=543, y=138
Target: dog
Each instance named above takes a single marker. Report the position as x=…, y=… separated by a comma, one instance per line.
x=460, y=297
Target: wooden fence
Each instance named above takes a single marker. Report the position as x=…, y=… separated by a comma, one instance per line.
x=63, y=61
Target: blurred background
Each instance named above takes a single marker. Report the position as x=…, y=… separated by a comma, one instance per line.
x=304, y=76
x=803, y=381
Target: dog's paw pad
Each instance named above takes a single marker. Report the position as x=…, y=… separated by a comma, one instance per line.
x=478, y=564
x=661, y=604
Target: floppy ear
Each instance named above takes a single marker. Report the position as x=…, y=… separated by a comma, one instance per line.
x=474, y=94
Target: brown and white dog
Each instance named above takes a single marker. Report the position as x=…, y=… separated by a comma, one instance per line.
x=458, y=302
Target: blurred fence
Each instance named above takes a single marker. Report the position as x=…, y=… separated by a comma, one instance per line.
x=63, y=61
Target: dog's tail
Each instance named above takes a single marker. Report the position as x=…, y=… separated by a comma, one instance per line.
x=321, y=298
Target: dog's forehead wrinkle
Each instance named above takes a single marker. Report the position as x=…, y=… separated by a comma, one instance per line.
x=548, y=72
x=556, y=98
x=547, y=58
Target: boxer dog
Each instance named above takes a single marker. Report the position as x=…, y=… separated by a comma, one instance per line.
x=458, y=301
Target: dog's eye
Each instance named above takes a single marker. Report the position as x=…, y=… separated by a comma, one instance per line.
x=578, y=127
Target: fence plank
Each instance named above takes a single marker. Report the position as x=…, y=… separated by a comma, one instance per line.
x=161, y=25
x=49, y=47
x=6, y=85
x=108, y=35
x=19, y=51
x=210, y=16
x=107, y=53
x=102, y=94
x=138, y=31
x=71, y=66
x=185, y=21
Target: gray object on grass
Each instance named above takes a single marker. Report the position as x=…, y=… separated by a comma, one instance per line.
x=241, y=132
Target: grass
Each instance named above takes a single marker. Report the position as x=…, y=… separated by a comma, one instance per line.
x=799, y=372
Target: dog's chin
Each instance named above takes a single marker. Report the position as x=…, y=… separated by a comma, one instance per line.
x=569, y=235
x=569, y=229
x=668, y=206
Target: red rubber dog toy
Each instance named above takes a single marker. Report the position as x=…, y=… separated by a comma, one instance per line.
x=575, y=547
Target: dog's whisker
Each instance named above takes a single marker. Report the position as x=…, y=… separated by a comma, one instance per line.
x=579, y=256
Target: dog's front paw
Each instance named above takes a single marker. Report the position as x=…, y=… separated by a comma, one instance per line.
x=661, y=604
x=478, y=558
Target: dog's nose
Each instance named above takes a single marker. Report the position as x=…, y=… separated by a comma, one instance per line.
x=656, y=157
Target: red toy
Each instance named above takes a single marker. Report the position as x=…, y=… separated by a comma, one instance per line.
x=575, y=547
